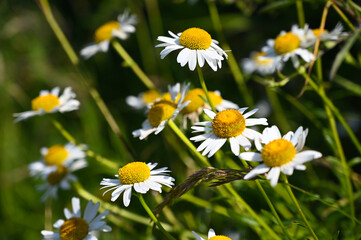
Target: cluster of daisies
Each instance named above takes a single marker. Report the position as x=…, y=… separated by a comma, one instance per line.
x=294, y=44
x=226, y=122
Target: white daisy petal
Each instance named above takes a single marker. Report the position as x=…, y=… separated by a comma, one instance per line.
x=251, y=156
x=260, y=169
x=273, y=175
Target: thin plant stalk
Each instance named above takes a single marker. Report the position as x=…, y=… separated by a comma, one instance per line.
x=300, y=13
x=131, y=63
x=294, y=200
x=104, y=161
x=204, y=87
x=153, y=217
x=233, y=64
x=48, y=214
x=45, y=7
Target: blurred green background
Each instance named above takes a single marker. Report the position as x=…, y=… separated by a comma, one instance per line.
x=31, y=59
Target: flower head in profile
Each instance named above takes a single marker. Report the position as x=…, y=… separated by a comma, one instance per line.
x=287, y=45
x=76, y=227
x=138, y=175
x=53, y=156
x=211, y=236
x=196, y=46
x=60, y=177
x=50, y=102
x=196, y=97
x=120, y=29
x=260, y=63
x=144, y=100
x=167, y=108
x=229, y=124
x=279, y=154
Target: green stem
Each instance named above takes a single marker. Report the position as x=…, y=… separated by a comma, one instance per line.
x=152, y=216
x=131, y=63
x=294, y=200
x=204, y=87
x=300, y=13
x=188, y=143
x=233, y=64
x=106, y=162
x=253, y=213
x=48, y=214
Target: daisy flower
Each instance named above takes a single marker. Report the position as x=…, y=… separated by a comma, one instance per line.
x=259, y=63
x=279, y=154
x=76, y=227
x=60, y=177
x=162, y=111
x=287, y=45
x=325, y=35
x=230, y=124
x=50, y=102
x=197, y=104
x=143, y=100
x=120, y=29
x=197, y=46
x=55, y=155
x=211, y=236
x=138, y=175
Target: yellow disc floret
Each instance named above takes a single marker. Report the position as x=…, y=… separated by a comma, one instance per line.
x=104, y=32
x=56, y=155
x=317, y=32
x=228, y=123
x=195, y=39
x=196, y=101
x=278, y=152
x=74, y=229
x=46, y=102
x=150, y=96
x=54, y=178
x=286, y=43
x=215, y=98
x=134, y=172
x=220, y=237
x=260, y=60
x=160, y=111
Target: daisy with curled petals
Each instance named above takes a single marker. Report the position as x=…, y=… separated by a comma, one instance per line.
x=211, y=236
x=162, y=111
x=287, y=45
x=229, y=124
x=138, y=175
x=197, y=46
x=143, y=100
x=197, y=104
x=258, y=62
x=55, y=155
x=60, y=177
x=279, y=154
x=76, y=227
x=50, y=102
x=102, y=36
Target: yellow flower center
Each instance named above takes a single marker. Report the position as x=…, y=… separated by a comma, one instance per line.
x=46, y=102
x=134, y=172
x=56, y=155
x=104, y=32
x=317, y=32
x=228, y=123
x=55, y=177
x=262, y=61
x=150, y=96
x=195, y=39
x=215, y=98
x=286, y=43
x=161, y=111
x=220, y=237
x=166, y=96
x=196, y=101
x=278, y=152
x=74, y=229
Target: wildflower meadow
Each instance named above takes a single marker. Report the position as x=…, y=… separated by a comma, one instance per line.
x=180, y=119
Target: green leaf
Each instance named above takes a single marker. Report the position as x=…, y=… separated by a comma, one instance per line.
x=349, y=85
x=343, y=52
x=277, y=5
